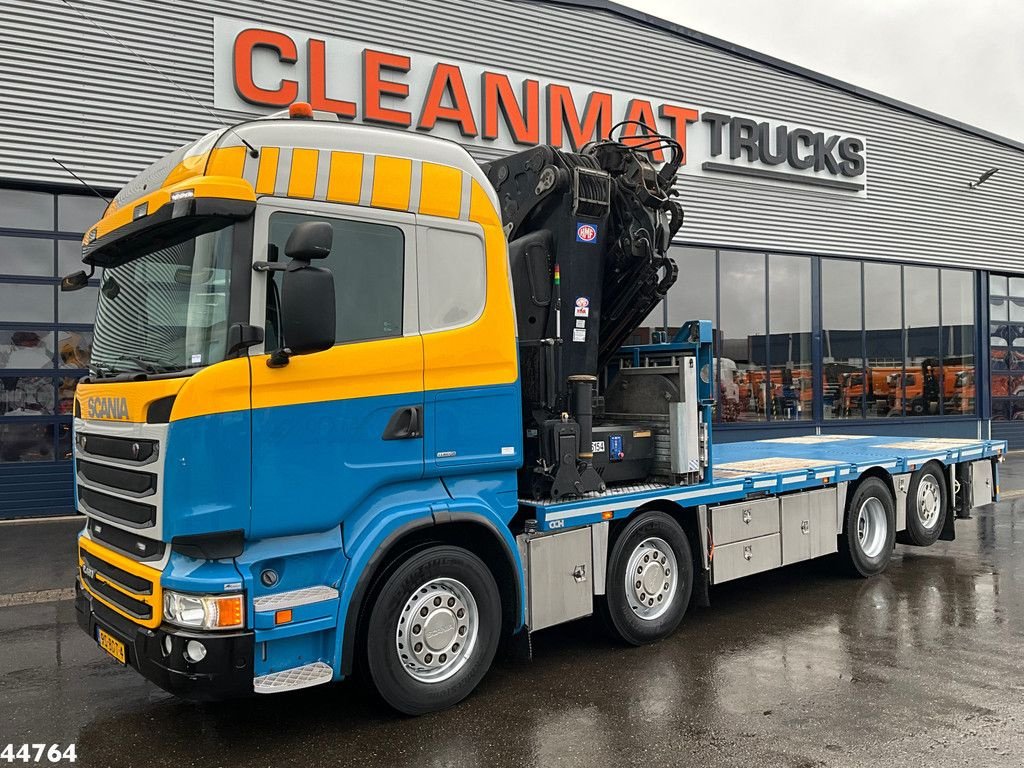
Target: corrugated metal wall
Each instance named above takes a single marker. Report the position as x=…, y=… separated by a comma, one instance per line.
x=72, y=92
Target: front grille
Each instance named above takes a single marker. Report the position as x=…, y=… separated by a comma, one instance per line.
x=134, y=608
x=131, y=512
x=126, y=542
x=118, y=576
x=117, y=479
x=118, y=448
x=130, y=588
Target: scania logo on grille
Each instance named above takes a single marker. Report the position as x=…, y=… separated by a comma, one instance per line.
x=108, y=408
x=135, y=450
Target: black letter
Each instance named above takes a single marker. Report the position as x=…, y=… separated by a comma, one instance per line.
x=792, y=144
x=853, y=161
x=716, y=121
x=764, y=144
x=743, y=137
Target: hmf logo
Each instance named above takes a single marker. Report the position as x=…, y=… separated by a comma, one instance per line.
x=107, y=408
x=586, y=233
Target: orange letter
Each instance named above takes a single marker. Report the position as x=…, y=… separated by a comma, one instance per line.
x=245, y=44
x=680, y=117
x=498, y=95
x=318, y=83
x=374, y=87
x=596, y=122
x=447, y=79
x=632, y=135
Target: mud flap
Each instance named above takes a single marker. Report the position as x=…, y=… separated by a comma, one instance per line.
x=701, y=596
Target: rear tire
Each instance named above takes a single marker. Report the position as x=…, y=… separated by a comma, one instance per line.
x=869, y=529
x=433, y=630
x=926, y=507
x=649, y=580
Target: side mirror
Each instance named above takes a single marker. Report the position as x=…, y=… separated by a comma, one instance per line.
x=307, y=294
x=310, y=240
x=76, y=280
x=307, y=317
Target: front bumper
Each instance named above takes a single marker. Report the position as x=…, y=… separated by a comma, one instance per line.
x=226, y=671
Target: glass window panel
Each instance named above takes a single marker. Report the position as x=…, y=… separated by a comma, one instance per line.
x=368, y=263
x=78, y=306
x=998, y=285
x=26, y=349
x=77, y=213
x=883, y=323
x=842, y=339
x=920, y=391
x=452, y=279
x=64, y=449
x=743, y=385
x=74, y=349
x=26, y=396
x=25, y=442
x=31, y=256
x=958, y=314
x=791, y=382
x=26, y=210
x=69, y=257
x=1016, y=286
x=691, y=298
x=27, y=303
x=66, y=395
x=693, y=295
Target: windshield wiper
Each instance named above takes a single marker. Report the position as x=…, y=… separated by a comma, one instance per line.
x=149, y=365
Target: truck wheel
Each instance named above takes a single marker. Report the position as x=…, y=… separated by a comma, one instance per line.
x=869, y=529
x=433, y=630
x=926, y=507
x=649, y=580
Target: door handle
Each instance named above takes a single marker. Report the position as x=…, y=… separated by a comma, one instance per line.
x=405, y=423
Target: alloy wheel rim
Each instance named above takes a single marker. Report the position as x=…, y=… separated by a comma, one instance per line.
x=871, y=527
x=651, y=578
x=437, y=630
x=929, y=501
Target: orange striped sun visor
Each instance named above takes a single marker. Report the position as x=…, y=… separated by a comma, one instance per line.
x=196, y=189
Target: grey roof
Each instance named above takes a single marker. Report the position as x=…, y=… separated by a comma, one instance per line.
x=763, y=58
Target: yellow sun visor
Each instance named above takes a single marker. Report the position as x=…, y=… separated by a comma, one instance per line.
x=168, y=214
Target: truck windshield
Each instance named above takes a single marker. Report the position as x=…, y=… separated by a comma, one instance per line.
x=165, y=310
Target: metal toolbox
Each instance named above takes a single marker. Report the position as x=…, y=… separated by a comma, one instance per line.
x=560, y=578
x=808, y=525
x=744, y=558
x=746, y=520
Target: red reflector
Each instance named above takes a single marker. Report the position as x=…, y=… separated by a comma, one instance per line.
x=301, y=109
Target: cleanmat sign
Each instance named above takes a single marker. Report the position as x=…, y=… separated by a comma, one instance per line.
x=260, y=68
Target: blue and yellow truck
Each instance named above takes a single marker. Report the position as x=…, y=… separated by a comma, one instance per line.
x=357, y=403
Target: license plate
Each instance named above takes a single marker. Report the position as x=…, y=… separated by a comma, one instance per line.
x=111, y=645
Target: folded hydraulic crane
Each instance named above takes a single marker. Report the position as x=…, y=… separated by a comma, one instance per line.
x=588, y=235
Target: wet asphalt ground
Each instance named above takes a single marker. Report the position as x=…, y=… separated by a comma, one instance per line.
x=923, y=665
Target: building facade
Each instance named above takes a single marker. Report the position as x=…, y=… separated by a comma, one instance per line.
x=857, y=280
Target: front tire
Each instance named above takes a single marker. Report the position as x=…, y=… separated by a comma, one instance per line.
x=869, y=529
x=433, y=630
x=649, y=580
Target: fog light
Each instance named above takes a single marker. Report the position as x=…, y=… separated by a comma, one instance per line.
x=167, y=645
x=195, y=651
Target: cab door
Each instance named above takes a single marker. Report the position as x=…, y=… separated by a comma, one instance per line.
x=334, y=430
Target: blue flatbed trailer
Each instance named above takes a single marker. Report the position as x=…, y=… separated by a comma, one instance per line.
x=762, y=468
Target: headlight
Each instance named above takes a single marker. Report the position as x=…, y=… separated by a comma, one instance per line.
x=204, y=611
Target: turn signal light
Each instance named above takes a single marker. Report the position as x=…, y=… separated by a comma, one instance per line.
x=229, y=611
x=283, y=617
x=607, y=515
